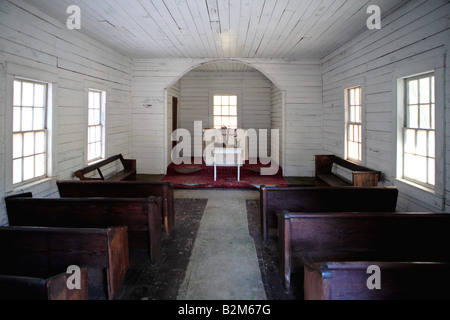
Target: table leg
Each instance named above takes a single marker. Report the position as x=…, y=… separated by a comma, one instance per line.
x=239, y=166
x=215, y=165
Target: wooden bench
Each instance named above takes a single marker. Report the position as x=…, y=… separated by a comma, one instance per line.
x=360, y=176
x=398, y=281
x=142, y=216
x=33, y=251
x=360, y=236
x=323, y=199
x=124, y=189
x=45, y=287
x=127, y=173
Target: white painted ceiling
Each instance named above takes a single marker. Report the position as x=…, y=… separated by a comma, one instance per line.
x=219, y=28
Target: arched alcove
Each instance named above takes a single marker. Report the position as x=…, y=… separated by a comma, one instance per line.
x=262, y=101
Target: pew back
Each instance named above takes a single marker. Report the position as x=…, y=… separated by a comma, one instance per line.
x=124, y=189
x=384, y=236
x=34, y=251
x=141, y=216
x=397, y=281
x=323, y=199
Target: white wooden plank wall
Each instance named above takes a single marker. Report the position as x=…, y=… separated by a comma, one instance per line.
x=30, y=38
x=277, y=123
x=419, y=30
x=301, y=79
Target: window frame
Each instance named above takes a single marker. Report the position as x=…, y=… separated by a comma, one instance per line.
x=50, y=77
x=431, y=199
x=406, y=111
x=102, y=124
x=349, y=123
x=225, y=92
x=24, y=132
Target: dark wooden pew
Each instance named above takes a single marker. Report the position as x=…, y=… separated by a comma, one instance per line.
x=360, y=176
x=35, y=251
x=127, y=173
x=398, y=281
x=142, y=216
x=44, y=287
x=360, y=236
x=124, y=189
x=323, y=199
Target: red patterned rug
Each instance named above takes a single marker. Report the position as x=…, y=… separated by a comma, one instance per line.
x=202, y=176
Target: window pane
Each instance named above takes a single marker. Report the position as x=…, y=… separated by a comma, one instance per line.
x=233, y=111
x=17, y=126
x=28, y=144
x=17, y=146
x=226, y=121
x=39, y=95
x=217, y=122
x=28, y=168
x=352, y=114
x=431, y=171
x=225, y=111
x=431, y=144
x=225, y=100
x=233, y=101
x=425, y=116
x=27, y=94
x=424, y=92
x=233, y=122
x=17, y=171
x=217, y=100
x=358, y=114
x=96, y=117
x=217, y=110
x=40, y=143
x=433, y=118
x=27, y=119
x=413, y=117
x=352, y=97
x=432, y=90
x=358, y=96
x=98, y=133
x=416, y=167
x=422, y=143
x=17, y=93
x=98, y=150
x=91, y=100
x=413, y=93
x=351, y=136
x=38, y=119
x=40, y=165
x=410, y=141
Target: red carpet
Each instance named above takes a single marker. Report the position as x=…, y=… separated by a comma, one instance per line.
x=202, y=176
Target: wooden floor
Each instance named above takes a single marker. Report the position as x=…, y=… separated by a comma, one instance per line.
x=162, y=280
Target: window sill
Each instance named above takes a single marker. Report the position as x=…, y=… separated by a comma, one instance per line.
x=423, y=196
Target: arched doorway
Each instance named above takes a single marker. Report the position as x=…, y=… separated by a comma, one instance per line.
x=262, y=100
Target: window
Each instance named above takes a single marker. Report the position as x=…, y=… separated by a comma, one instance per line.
x=29, y=130
x=354, y=124
x=419, y=154
x=225, y=111
x=95, y=141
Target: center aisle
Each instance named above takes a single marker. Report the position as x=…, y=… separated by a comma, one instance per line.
x=224, y=264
